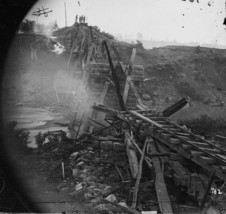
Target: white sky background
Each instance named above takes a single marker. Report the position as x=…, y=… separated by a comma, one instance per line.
x=155, y=19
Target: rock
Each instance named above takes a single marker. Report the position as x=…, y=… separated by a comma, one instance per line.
x=82, y=152
x=61, y=186
x=90, y=178
x=74, y=155
x=78, y=187
x=83, y=176
x=107, y=207
x=80, y=164
x=90, y=148
x=123, y=204
x=96, y=200
x=88, y=155
x=89, y=196
x=75, y=172
x=85, y=170
x=146, y=97
x=111, y=198
x=64, y=189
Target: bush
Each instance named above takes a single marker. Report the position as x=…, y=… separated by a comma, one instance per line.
x=53, y=137
x=21, y=137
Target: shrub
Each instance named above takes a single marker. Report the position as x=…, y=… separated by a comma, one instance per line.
x=21, y=137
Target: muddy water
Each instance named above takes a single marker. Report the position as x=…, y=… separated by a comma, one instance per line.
x=35, y=120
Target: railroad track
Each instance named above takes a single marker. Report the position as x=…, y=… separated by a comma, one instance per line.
x=204, y=153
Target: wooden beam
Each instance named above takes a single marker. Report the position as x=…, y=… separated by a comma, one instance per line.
x=115, y=78
x=135, y=92
x=104, y=92
x=95, y=113
x=105, y=109
x=131, y=154
x=126, y=90
x=139, y=150
x=160, y=186
x=136, y=188
x=73, y=47
x=175, y=107
x=129, y=66
x=145, y=118
x=89, y=55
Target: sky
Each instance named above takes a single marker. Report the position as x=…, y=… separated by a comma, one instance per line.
x=200, y=21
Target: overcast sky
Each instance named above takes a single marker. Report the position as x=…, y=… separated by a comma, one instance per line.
x=168, y=20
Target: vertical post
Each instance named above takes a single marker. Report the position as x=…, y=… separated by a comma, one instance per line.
x=115, y=78
x=65, y=12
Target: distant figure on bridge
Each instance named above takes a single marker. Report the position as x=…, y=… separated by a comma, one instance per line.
x=80, y=19
x=76, y=18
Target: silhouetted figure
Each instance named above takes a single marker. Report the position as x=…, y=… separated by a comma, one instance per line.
x=80, y=19
x=76, y=18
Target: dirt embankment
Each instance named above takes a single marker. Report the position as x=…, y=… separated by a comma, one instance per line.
x=171, y=72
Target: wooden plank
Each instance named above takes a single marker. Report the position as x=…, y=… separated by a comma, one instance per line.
x=160, y=186
x=190, y=155
x=132, y=157
x=104, y=91
x=145, y=119
x=126, y=90
x=175, y=107
x=82, y=43
x=136, y=188
x=115, y=78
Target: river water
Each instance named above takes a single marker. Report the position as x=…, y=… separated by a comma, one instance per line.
x=35, y=120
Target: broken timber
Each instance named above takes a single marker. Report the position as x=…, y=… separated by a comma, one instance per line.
x=175, y=107
x=162, y=194
x=132, y=157
x=136, y=188
x=115, y=78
